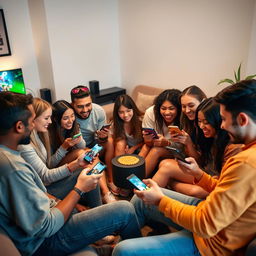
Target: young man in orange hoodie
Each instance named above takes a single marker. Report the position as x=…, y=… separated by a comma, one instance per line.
x=222, y=224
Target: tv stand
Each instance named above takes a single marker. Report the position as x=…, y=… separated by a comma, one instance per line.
x=108, y=95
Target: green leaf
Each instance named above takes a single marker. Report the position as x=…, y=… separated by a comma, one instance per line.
x=239, y=73
x=226, y=80
x=235, y=75
x=250, y=77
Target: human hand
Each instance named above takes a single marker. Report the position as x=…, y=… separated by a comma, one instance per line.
x=151, y=196
x=192, y=168
x=69, y=142
x=183, y=138
x=102, y=134
x=86, y=182
x=81, y=208
x=161, y=141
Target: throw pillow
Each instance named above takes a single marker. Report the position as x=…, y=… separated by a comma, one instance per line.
x=144, y=101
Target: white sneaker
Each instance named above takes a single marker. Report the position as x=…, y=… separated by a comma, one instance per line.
x=108, y=198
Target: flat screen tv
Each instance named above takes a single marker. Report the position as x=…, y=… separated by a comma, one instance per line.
x=12, y=80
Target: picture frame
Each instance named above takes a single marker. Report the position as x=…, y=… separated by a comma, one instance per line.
x=5, y=49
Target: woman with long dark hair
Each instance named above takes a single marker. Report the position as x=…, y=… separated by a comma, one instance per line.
x=213, y=146
x=165, y=111
x=127, y=126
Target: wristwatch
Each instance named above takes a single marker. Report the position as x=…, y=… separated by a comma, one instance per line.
x=79, y=192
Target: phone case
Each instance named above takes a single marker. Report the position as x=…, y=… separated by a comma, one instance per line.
x=151, y=131
x=177, y=154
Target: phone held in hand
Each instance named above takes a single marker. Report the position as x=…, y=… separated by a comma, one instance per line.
x=137, y=183
x=174, y=129
x=176, y=153
x=105, y=126
x=76, y=135
x=97, y=169
x=92, y=153
x=151, y=131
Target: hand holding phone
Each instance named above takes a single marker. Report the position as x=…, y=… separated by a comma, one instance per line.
x=177, y=154
x=76, y=135
x=105, y=126
x=97, y=169
x=137, y=183
x=151, y=131
x=174, y=129
x=92, y=153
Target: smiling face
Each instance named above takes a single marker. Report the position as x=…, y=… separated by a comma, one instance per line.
x=68, y=119
x=208, y=130
x=189, y=105
x=231, y=126
x=83, y=106
x=42, y=122
x=168, y=112
x=125, y=114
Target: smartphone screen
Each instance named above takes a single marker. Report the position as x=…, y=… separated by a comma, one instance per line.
x=137, y=183
x=93, y=152
x=77, y=135
x=177, y=154
x=97, y=169
x=151, y=131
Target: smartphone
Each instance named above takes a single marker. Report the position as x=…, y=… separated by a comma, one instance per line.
x=174, y=129
x=92, y=153
x=177, y=154
x=107, y=126
x=76, y=135
x=137, y=183
x=151, y=131
x=97, y=169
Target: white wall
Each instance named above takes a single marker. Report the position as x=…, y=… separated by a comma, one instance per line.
x=174, y=43
x=84, y=43
x=251, y=65
x=168, y=43
x=21, y=42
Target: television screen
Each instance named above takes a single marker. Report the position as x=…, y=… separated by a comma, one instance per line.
x=12, y=80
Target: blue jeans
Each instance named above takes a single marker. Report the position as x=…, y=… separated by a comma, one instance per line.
x=176, y=243
x=86, y=227
x=61, y=188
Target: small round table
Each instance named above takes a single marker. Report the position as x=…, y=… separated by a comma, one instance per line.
x=125, y=165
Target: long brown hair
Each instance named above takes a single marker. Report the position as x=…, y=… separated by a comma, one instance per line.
x=118, y=124
x=196, y=92
x=40, y=106
x=57, y=133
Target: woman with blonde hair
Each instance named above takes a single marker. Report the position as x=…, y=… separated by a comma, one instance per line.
x=59, y=180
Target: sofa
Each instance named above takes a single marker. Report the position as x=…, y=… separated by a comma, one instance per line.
x=143, y=96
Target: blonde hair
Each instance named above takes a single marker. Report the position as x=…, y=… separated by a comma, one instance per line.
x=41, y=106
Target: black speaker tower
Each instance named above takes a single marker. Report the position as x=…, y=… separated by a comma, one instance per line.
x=45, y=94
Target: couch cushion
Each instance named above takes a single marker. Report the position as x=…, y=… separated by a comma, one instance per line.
x=144, y=101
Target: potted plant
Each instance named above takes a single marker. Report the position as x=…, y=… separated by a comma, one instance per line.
x=237, y=75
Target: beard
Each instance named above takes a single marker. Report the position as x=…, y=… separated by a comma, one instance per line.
x=236, y=136
x=25, y=141
x=81, y=117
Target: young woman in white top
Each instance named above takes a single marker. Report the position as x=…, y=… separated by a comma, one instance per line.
x=165, y=111
x=60, y=180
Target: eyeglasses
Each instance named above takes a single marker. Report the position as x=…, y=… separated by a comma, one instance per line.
x=77, y=90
